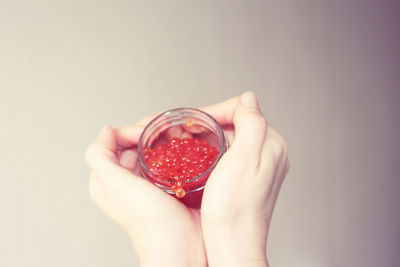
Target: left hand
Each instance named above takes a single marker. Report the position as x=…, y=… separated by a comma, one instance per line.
x=164, y=232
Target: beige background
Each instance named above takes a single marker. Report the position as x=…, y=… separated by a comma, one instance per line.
x=326, y=73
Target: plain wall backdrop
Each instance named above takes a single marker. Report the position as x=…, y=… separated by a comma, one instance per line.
x=326, y=73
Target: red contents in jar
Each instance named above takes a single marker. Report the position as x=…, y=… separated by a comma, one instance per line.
x=179, y=160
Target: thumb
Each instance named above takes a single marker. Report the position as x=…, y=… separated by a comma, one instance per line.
x=250, y=124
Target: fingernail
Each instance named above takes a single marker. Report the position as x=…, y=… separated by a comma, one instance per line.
x=249, y=99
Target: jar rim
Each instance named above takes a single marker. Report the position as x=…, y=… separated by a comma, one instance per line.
x=207, y=172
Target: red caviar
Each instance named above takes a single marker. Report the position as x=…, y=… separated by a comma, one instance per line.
x=179, y=160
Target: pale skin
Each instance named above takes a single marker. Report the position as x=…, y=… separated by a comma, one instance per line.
x=232, y=227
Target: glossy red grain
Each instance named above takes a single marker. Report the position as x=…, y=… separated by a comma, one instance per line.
x=180, y=160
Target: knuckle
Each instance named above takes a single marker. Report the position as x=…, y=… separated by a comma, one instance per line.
x=280, y=147
x=284, y=147
x=263, y=122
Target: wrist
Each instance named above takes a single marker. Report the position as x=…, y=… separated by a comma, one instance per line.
x=234, y=253
x=238, y=244
x=172, y=255
x=182, y=246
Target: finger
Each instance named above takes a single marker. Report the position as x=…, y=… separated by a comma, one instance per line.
x=106, y=139
x=100, y=159
x=250, y=126
x=146, y=120
x=229, y=132
x=128, y=136
x=222, y=112
x=128, y=159
x=194, y=128
x=101, y=155
x=174, y=131
x=113, y=178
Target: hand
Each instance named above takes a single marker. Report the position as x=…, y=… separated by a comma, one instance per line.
x=164, y=232
x=240, y=194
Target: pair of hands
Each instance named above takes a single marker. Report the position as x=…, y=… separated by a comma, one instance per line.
x=238, y=201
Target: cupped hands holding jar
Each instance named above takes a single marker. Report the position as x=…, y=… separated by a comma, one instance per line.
x=238, y=198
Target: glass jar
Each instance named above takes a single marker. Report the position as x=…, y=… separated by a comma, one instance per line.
x=182, y=123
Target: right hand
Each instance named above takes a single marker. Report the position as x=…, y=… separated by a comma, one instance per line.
x=241, y=192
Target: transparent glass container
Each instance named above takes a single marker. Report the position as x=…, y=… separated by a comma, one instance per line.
x=182, y=123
